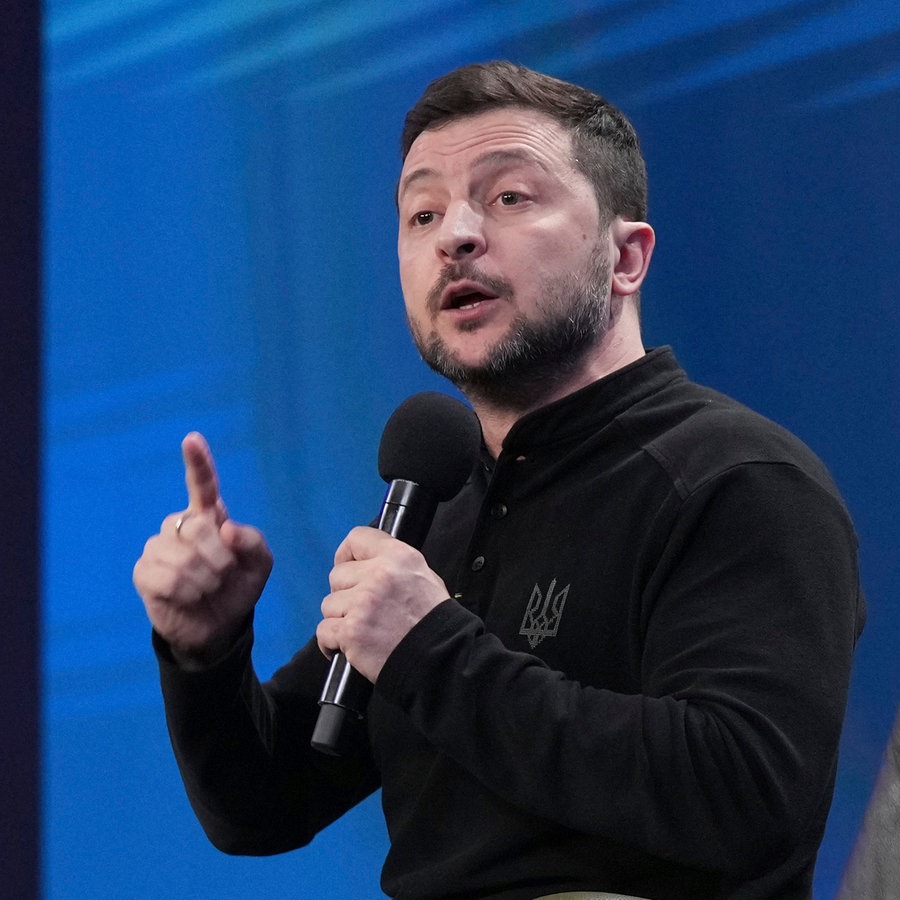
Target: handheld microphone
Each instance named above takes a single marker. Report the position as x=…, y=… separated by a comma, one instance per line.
x=428, y=449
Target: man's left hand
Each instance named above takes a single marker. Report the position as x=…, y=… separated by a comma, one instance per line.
x=380, y=588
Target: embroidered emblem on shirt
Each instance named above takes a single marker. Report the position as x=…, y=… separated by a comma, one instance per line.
x=543, y=614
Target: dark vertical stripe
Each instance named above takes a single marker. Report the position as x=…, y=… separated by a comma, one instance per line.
x=20, y=305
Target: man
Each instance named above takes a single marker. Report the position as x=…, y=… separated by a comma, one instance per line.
x=621, y=661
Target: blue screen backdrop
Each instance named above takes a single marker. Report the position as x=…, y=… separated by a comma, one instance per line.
x=220, y=255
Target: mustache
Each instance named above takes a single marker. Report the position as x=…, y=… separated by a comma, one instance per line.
x=464, y=271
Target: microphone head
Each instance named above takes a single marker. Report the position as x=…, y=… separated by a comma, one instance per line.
x=433, y=440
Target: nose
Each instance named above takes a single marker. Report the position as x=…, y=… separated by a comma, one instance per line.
x=461, y=234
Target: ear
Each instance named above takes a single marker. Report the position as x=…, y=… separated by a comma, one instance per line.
x=632, y=247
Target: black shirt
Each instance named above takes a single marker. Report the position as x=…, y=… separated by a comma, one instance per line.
x=638, y=685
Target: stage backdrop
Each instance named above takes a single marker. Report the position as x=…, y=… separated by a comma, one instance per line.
x=220, y=255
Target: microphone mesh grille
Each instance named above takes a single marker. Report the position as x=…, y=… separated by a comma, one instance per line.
x=432, y=440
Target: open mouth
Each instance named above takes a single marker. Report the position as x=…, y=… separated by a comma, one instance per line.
x=465, y=296
x=468, y=301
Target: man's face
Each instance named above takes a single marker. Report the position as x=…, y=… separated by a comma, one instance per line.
x=505, y=273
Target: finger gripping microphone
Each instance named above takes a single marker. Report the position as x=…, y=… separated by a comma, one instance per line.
x=428, y=449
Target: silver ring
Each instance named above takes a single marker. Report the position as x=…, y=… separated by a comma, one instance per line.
x=180, y=521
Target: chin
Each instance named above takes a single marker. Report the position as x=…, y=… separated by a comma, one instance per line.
x=474, y=345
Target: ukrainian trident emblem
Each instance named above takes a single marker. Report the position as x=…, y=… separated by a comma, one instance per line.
x=543, y=613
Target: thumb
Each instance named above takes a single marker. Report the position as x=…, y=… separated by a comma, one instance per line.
x=249, y=545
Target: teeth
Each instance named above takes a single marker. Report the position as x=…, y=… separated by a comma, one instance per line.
x=469, y=301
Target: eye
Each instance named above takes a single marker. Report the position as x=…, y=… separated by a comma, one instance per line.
x=423, y=218
x=510, y=198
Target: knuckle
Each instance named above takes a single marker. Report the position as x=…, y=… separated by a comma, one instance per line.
x=367, y=605
x=222, y=564
x=169, y=521
x=173, y=586
x=150, y=550
x=353, y=631
x=406, y=557
x=379, y=584
x=187, y=592
x=166, y=584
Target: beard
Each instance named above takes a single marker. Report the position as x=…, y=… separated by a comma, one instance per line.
x=536, y=355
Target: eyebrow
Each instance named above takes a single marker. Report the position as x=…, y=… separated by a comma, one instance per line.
x=491, y=158
x=416, y=175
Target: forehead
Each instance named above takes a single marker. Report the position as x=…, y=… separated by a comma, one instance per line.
x=510, y=133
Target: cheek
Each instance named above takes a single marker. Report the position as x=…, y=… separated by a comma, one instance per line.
x=407, y=283
x=413, y=288
x=562, y=250
x=416, y=271
x=553, y=242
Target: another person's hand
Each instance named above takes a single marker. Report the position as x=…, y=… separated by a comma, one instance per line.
x=202, y=574
x=380, y=588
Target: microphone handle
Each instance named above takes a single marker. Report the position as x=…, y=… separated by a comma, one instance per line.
x=406, y=514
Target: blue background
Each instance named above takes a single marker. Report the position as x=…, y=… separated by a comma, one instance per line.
x=220, y=254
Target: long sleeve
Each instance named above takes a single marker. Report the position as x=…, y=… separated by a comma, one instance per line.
x=243, y=751
x=717, y=748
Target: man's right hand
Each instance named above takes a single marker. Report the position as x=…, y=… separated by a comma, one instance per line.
x=202, y=574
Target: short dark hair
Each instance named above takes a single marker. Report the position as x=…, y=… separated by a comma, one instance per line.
x=604, y=143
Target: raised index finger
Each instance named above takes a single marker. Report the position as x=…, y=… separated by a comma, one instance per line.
x=200, y=473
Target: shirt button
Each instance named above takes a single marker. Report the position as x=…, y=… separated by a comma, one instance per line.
x=477, y=563
x=499, y=510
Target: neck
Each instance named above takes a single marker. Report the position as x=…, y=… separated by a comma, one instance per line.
x=619, y=347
